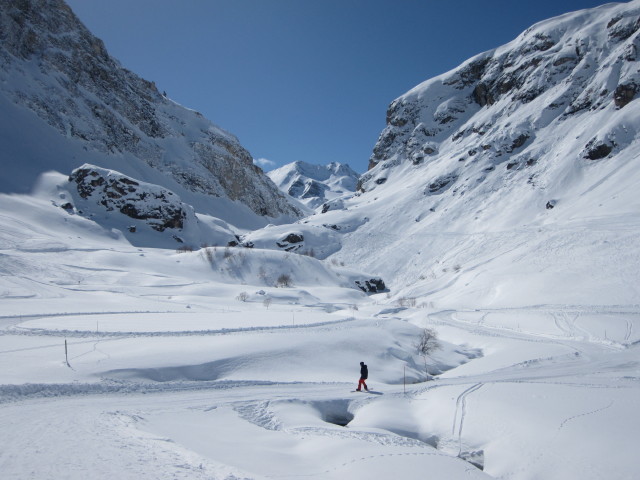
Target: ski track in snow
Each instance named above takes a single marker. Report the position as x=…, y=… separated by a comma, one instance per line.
x=37, y=332
x=461, y=412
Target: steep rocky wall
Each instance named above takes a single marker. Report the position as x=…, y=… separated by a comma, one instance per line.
x=561, y=68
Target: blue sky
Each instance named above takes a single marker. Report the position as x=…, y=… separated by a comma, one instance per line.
x=301, y=79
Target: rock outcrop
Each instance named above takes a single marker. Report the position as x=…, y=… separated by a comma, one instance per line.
x=157, y=206
x=371, y=285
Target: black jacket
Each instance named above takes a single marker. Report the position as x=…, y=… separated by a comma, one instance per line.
x=364, y=372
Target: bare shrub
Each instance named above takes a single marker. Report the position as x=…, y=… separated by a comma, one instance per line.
x=267, y=302
x=242, y=296
x=284, y=280
x=407, y=301
x=262, y=273
x=427, y=344
x=208, y=255
x=184, y=249
x=227, y=253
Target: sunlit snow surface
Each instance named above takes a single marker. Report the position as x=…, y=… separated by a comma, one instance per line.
x=183, y=366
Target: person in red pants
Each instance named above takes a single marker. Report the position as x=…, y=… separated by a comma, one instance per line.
x=364, y=374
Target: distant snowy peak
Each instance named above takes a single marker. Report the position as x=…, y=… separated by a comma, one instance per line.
x=52, y=65
x=313, y=185
x=498, y=106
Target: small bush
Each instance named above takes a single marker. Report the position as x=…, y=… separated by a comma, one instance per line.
x=209, y=255
x=262, y=273
x=184, y=249
x=407, y=302
x=427, y=344
x=242, y=296
x=284, y=280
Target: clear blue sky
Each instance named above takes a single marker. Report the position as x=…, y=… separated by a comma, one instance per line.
x=303, y=79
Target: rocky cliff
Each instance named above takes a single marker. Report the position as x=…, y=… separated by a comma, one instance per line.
x=53, y=66
x=504, y=109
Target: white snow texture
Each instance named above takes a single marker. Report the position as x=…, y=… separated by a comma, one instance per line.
x=154, y=326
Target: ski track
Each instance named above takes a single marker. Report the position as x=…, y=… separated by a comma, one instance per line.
x=570, y=329
x=627, y=336
x=29, y=391
x=461, y=413
x=37, y=332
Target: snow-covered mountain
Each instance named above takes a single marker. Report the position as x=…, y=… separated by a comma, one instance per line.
x=66, y=102
x=523, y=159
x=314, y=185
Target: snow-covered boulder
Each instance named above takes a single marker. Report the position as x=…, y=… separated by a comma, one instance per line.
x=314, y=240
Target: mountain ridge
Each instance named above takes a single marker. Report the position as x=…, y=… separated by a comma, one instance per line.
x=54, y=67
x=314, y=185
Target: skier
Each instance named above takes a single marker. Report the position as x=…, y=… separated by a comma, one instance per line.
x=364, y=374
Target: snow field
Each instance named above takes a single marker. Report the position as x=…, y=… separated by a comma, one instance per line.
x=174, y=374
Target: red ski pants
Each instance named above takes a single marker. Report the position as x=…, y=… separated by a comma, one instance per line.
x=361, y=383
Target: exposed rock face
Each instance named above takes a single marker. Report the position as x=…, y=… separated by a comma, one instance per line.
x=493, y=108
x=159, y=207
x=371, y=285
x=51, y=64
x=292, y=242
x=623, y=94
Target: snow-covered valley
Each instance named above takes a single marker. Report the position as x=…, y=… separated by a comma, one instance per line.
x=162, y=318
x=184, y=366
